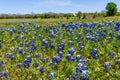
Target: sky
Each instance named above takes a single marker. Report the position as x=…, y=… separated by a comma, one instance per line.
x=57, y=6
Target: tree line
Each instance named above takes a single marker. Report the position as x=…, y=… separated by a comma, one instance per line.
x=111, y=10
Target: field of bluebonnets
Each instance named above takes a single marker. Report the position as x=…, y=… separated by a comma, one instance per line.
x=65, y=51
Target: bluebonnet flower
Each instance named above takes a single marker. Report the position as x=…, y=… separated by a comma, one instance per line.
x=94, y=52
x=10, y=56
x=106, y=66
x=74, y=76
x=11, y=32
x=81, y=67
x=117, y=26
x=35, y=33
x=2, y=64
x=52, y=75
x=61, y=46
x=95, y=56
x=33, y=48
x=26, y=63
x=68, y=56
x=70, y=43
x=27, y=49
x=45, y=43
x=37, y=55
x=84, y=78
x=60, y=54
x=78, y=57
x=3, y=74
x=36, y=64
x=52, y=45
x=83, y=61
x=63, y=25
x=72, y=58
x=112, y=54
x=52, y=34
x=22, y=36
x=103, y=35
x=81, y=47
x=33, y=43
x=29, y=58
x=88, y=37
x=56, y=59
x=84, y=73
x=20, y=50
x=51, y=63
x=41, y=70
x=111, y=39
x=20, y=65
x=118, y=36
x=59, y=49
x=111, y=33
x=71, y=51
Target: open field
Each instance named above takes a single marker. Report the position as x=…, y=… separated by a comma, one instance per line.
x=60, y=49
x=54, y=21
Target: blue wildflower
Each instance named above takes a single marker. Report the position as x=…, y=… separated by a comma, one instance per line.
x=51, y=63
x=94, y=52
x=37, y=55
x=68, y=57
x=78, y=57
x=74, y=76
x=29, y=58
x=112, y=54
x=26, y=63
x=72, y=58
x=52, y=45
x=71, y=51
x=118, y=36
x=106, y=66
x=60, y=54
x=36, y=64
x=41, y=70
x=20, y=65
x=2, y=63
x=20, y=50
x=52, y=75
x=3, y=74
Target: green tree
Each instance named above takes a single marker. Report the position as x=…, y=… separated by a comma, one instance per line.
x=79, y=14
x=95, y=15
x=84, y=16
x=111, y=9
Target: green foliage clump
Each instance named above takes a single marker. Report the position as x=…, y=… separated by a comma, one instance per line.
x=111, y=9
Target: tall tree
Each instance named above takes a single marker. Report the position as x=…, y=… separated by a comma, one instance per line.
x=79, y=14
x=111, y=9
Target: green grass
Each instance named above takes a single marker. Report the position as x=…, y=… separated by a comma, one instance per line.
x=65, y=68
x=54, y=21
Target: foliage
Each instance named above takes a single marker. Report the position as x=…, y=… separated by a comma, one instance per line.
x=111, y=9
x=79, y=14
x=70, y=51
x=95, y=15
